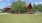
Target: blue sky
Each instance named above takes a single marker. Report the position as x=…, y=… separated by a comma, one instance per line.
x=4, y=3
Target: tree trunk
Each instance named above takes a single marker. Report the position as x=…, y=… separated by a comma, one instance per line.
x=19, y=11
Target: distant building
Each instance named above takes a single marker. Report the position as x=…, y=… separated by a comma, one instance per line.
x=7, y=9
x=29, y=7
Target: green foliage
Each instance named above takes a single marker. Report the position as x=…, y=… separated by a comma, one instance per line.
x=38, y=7
x=23, y=10
x=1, y=10
x=18, y=5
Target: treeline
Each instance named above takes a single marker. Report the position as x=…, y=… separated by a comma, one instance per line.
x=20, y=6
x=37, y=8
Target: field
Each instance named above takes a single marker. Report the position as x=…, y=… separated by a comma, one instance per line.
x=20, y=18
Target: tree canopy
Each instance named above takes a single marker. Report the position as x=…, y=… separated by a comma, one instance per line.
x=18, y=5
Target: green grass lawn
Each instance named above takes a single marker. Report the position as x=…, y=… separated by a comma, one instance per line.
x=21, y=18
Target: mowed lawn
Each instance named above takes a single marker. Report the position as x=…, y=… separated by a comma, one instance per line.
x=20, y=18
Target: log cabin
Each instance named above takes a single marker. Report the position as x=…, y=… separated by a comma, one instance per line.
x=7, y=9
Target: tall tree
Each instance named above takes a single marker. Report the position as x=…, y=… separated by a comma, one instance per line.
x=18, y=5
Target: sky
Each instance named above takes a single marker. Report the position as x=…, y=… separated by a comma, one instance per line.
x=4, y=3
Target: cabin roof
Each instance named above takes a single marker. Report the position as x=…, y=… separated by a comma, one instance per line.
x=7, y=7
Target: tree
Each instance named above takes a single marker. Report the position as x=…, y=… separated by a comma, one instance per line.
x=18, y=5
x=1, y=10
x=37, y=8
x=34, y=8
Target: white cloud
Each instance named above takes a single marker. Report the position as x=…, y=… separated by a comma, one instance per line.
x=9, y=4
x=32, y=3
x=30, y=0
x=40, y=2
x=36, y=3
x=1, y=0
x=8, y=0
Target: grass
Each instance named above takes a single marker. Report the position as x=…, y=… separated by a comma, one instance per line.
x=21, y=18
